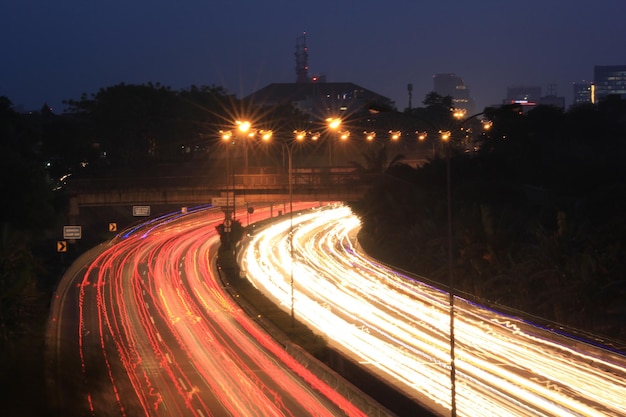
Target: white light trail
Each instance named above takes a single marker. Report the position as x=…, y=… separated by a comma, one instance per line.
x=399, y=328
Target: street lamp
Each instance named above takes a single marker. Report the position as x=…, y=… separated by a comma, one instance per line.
x=445, y=137
x=394, y=135
x=333, y=124
x=299, y=136
x=227, y=138
x=245, y=130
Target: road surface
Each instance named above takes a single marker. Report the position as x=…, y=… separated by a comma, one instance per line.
x=399, y=329
x=142, y=325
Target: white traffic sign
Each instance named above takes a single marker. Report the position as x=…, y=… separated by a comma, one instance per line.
x=142, y=211
x=227, y=202
x=72, y=232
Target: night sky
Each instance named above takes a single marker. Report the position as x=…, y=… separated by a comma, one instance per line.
x=58, y=50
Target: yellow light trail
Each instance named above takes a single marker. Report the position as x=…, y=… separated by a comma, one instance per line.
x=399, y=329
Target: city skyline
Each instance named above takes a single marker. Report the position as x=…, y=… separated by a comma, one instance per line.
x=60, y=51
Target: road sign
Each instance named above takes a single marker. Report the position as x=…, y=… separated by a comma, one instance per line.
x=72, y=232
x=61, y=246
x=112, y=227
x=141, y=211
x=227, y=202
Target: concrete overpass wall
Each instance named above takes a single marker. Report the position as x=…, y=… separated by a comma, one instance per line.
x=202, y=195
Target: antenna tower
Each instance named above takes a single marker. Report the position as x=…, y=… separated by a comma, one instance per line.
x=302, y=60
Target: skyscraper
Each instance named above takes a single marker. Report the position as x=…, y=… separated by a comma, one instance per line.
x=523, y=95
x=582, y=92
x=609, y=80
x=453, y=86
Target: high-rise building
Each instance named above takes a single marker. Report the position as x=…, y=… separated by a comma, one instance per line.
x=453, y=86
x=552, y=99
x=523, y=95
x=582, y=92
x=609, y=80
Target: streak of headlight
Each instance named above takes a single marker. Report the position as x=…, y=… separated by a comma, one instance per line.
x=398, y=326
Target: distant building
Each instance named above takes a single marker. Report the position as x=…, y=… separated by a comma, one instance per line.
x=523, y=95
x=609, y=80
x=320, y=99
x=527, y=97
x=530, y=96
x=552, y=100
x=316, y=97
x=582, y=93
x=454, y=86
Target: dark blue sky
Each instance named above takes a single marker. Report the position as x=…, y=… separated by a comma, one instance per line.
x=59, y=50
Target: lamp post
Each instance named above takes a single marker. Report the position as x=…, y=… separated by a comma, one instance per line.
x=445, y=137
x=333, y=124
x=299, y=136
x=244, y=128
x=227, y=138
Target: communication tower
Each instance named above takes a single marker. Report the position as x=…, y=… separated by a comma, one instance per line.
x=302, y=60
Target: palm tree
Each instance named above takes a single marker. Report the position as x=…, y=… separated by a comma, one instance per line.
x=376, y=161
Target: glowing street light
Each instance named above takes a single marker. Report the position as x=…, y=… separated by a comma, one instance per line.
x=299, y=134
x=266, y=135
x=395, y=135
x=333, y=124
x=245, y=129
x=459, y=113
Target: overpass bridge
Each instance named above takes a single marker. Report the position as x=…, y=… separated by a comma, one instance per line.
x=306, y=185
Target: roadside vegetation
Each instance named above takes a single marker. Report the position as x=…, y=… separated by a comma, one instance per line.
x=537, y=216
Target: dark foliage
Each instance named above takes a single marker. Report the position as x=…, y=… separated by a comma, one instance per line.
x=537, y=217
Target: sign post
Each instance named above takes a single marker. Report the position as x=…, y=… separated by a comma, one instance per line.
x=61, y=246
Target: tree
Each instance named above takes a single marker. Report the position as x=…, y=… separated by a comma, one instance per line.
x=376, y=161
x=537, y=224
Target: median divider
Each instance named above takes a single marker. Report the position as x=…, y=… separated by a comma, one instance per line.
x=297, y=340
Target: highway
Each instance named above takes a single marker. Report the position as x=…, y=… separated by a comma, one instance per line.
x=399, y=328
x=142, y=326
